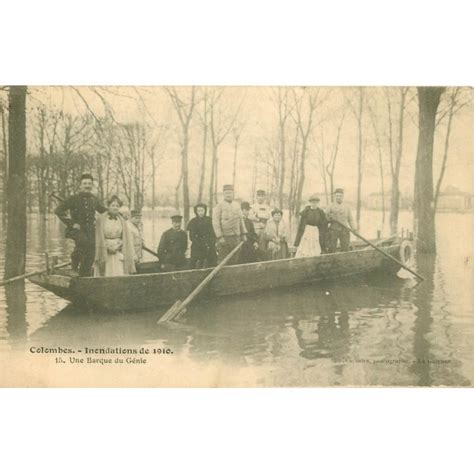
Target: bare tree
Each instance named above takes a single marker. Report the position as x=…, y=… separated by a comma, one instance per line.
x=237, y=131
x=320, y=146
x=305, y=105
x=295, y=156
x=204, y=119
x=281, y=99
x=428, y=101
x=4, y=161
x=375, y=127
x=15, y=249
x=456, y=102
x=331, y=164
x=358, y=112
x=396, y=149
x=220, y=125
x=184, y=108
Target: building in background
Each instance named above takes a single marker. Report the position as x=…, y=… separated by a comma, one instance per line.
x=453, y=199
x=374, y=201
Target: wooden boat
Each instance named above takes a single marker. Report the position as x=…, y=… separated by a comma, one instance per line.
x=151, y=289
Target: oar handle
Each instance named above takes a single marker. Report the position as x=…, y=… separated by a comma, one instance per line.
x=210, y=276
x=178, y=308
x=30, y=274
x=368, y=242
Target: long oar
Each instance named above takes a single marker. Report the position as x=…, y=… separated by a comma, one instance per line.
x=368, y=242
x=146, y=249
x=30, y=274
x=180, y=307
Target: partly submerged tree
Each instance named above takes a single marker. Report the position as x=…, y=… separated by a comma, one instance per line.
x=15, y=250
x=424, y=209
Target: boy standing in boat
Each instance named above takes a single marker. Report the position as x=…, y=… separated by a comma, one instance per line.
x=260, y=214
x=248, y=253
x=339, y=211
x=173, y=246
x=80, y=224
x=228, y=224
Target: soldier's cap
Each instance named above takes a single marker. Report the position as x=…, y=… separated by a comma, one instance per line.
x=135, y=213
x=176, y=218
x=228, y=187
x=339, y=191
x=314, y=197
x=86, y=176
x=261, y=192
x=245, y=205
x=277, y=211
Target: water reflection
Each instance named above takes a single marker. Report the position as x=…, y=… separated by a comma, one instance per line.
x=16, y=325
x=308, y=335
x=422, y=327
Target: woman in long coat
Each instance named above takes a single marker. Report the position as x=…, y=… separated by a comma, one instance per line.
x=312, y=230
x=203, y=239
x=114, y=253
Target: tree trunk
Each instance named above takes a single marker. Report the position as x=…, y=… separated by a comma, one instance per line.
x=176, y=200
x=359, y=157
x=153, y=185
x=395, y=198
x=299, y=196
x=15, y=250
x=281, y=185
x=211, y=181
x=394, y=205
x=204, y=155
x=234, y=169
x=5, y=164
x=185, y=176
x=428, y=101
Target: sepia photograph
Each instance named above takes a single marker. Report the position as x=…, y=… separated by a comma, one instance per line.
x=216, y=236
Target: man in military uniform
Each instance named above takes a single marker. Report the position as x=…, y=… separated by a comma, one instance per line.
x=339, y=211
x=173, y=246
x=81, y=224
x=228, y=224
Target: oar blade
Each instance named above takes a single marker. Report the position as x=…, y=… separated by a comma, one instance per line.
x=171, y=313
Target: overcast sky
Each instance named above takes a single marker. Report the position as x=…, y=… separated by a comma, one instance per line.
x=258, y=113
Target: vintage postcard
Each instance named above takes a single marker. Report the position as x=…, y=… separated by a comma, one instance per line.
x=236, y=236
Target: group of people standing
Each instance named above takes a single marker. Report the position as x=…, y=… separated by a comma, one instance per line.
x=112, y=244
x=320, y=231
x=109, y=245
x=264, y=234
x=261, y=229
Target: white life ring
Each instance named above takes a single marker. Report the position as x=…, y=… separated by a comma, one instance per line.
x=406, y=252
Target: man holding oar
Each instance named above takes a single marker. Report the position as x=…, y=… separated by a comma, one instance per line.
x=81, y=224
x=339, y=212
x=228, y=224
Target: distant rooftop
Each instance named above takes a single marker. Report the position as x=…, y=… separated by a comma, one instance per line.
x=453, y=191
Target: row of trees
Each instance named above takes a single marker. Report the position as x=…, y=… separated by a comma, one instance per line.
x=302, y=137
x=301, y=133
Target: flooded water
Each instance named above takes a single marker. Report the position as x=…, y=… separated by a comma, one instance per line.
x=389, y=331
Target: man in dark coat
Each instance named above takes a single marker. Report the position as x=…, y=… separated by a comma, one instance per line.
x=203, y=239
x=78, y=213
x=173, y=246
x=249, y=250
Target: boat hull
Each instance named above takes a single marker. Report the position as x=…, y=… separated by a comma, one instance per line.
x=149, y=291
